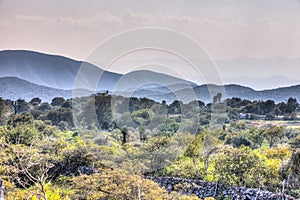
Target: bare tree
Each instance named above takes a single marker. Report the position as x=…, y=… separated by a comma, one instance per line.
x=30, y=168
x=15, y=106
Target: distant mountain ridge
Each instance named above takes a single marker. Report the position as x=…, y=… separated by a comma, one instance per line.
x=260, y=73
x=48, y=70
x=28, y=74
x=16, y=88
x=60, y=72
x=263, y=83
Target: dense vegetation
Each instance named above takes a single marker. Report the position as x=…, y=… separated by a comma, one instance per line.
x=103, y=146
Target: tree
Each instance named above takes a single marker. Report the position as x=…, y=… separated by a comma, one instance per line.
x=217, y=98
x=240, y=140
x=35, y=101
x=30, y=167
x=104, y=111
x=124, y=132
x=19, y=106
x=295, y=143
x=67, y=104
x=203, y=147
x=133, y=103
x=269, y=106
x=142, y=117
x=194, y=151
x=256, y=137
x=125, y=120
x=36, y=113
x=15, y=107
x=44, y=107
x=170, y=127
x=209, y=147
x=142, y=134
x=238, y=166
x=61, y=114
x=57, y=101
x=20, y=130
x=175, y=107
x=277, y=111
x=292, y=105
x=291, y=171
x=116, y=184
x=234, y=102
x=273, y=134
x=295, y=163
x=145, y=103
x=233, y=114
x=78, y=156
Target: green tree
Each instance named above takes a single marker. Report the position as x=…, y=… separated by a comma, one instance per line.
x=19, y=106
x=35, y=101
x=256, y=136
x=292, y=105
x=295, y=143
x=238, y=166
x=291, y=171
x=273, y=134
x=269, y=106
x=115, y=185
x=240, y=140
x=142, y=117
x=44, y=107
x=61, y=114
x=104, y=111
x=175, y=107
x=78, y=155
x=57, y=101
x=20, y=130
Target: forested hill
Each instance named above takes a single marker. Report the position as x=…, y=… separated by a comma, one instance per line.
x=277, y=95
x=16, y=88
x=61, y=72
x=49, y=70
x=49, y=76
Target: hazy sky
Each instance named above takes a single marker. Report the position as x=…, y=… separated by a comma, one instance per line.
x=225, y=28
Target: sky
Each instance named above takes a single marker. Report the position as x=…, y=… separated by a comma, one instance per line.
x=226, y=29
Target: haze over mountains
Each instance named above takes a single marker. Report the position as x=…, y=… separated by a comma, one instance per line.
x=260, y=73
x=27, y=74
x=48, y=70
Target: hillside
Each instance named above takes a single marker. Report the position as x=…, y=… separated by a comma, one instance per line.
x=15, y=88
x=60, y=72
x=27, y=74
x=48, y=70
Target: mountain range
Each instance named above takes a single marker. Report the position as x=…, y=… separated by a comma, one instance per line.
x=260, y=73
x=49, y=70
x=27, y=74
